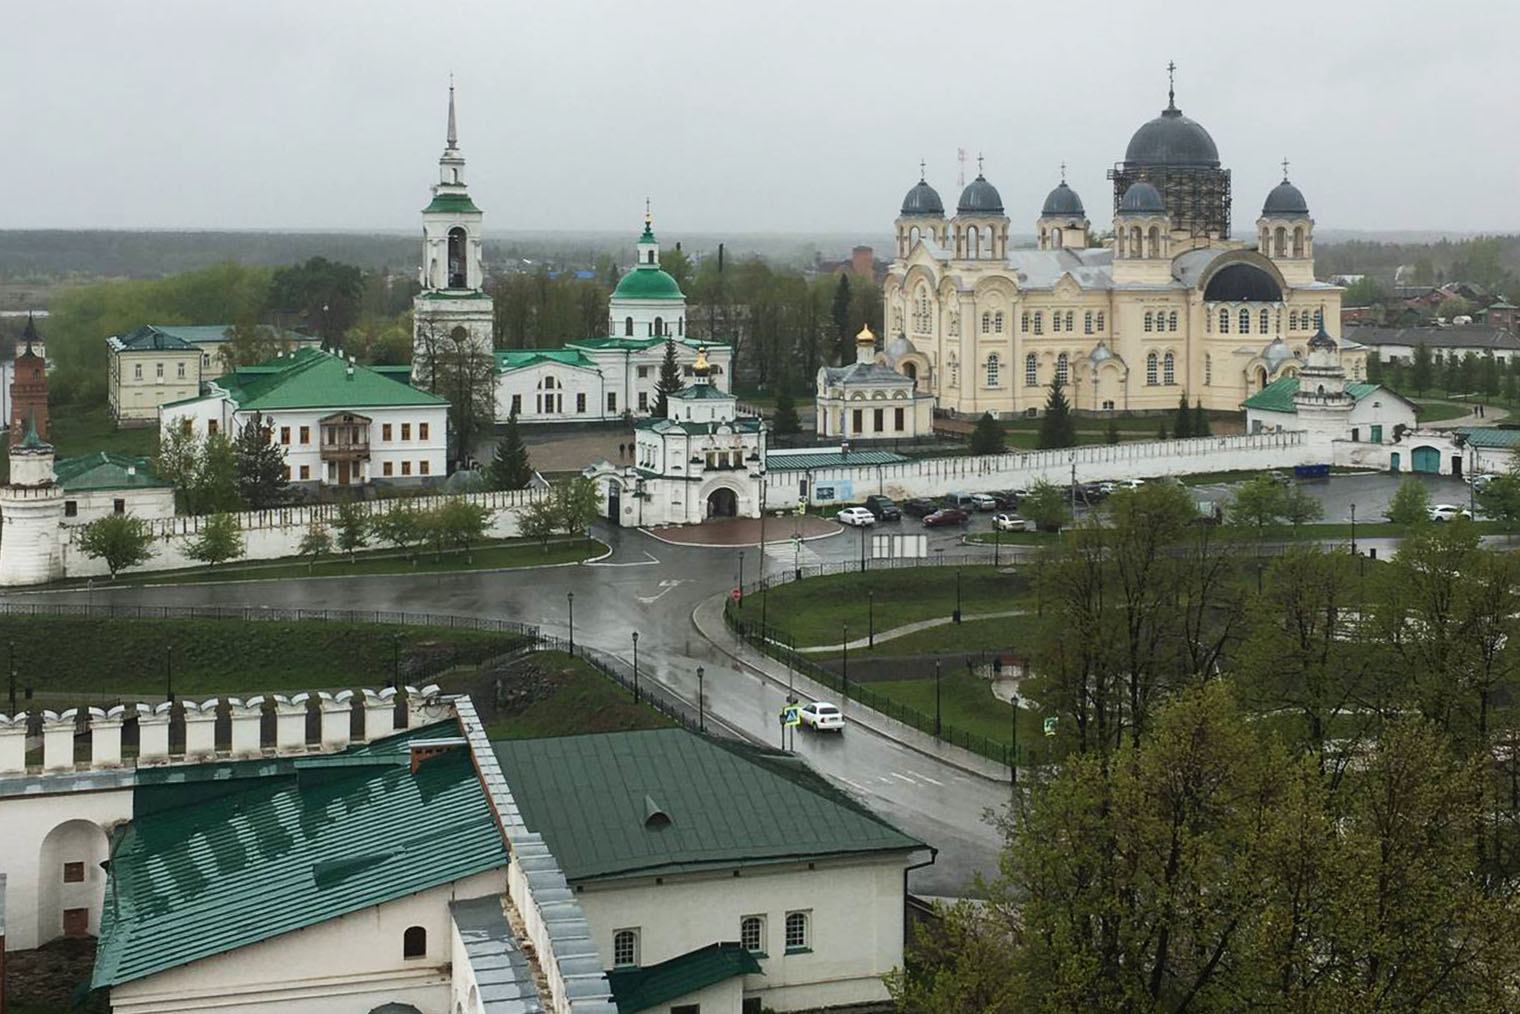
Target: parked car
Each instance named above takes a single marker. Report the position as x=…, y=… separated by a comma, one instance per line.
x=858, y=517
x=947, y=516
x=1480, y=481
x=1011, y=523
x=883, y=508
x=1448, y=512
x=1280, y=477
x=983, y=502
x=1209, y=513
x=960, y=501
x=821, y=717
x=1006, y=499
x=1125, y=484
x=919, y=507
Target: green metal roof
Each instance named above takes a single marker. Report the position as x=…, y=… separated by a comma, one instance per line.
x=641, y=344
x=696, y=428
x=1488, y=436
x=262, y=848
x=1278, y=395
x=31, y=441
x=781, y=461
x=638, y=989
x=729, y=804
x=152, y=338
x=516, y=359
x=647, y=282
x=311, y=378
x=452, y=203
x=104, y=470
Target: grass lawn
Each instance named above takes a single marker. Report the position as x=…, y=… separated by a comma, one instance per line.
x=967, y=704
x=1014, y=538
x=1437, y=411
x=78, y=429
x=579, y=700
x=81, y=659
x=812, y=611
x=491, y=556
x=1003, y=633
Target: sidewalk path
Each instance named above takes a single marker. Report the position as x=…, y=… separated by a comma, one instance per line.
x=1492, y=415
x=737, y=533
x=707, y=617
x=908, y=628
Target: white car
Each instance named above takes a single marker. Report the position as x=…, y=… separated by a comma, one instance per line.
x=856, y=516
x=1448, y=512
x=1010, y=523
x=983, y=502
x=821, y=717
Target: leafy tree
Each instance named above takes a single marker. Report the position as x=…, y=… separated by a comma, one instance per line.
x=1499, y=499
x=987, y=436
x=178, y=462
x=216, y=484
x=577, y=502
x=220, y=540
x=323, y=293
x=1365, y=291
x=510, y=467
x=1046, y=505
x=1455, y=306
x=461, y=524
x=677, y=265
x=119, y=539
x=1057, y=428
x=261, y=465
x=785, y=422
x=670, y=380
x=1410, y=504
x=248, y=343
x=1201, y=427
x=452, y=364
x=353, y=528
x=1300, y=506
x=539, y=518
x=840, y=313
x=315, y=544
x=1259, y=502
x=1422, y=373
x=400, y=525
x=1182, y=420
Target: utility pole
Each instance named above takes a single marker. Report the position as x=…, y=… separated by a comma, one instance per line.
x=570, y=599
x=844, y=657
x=635, y=667
x=1013, y=765
x=871, y=617
x=1353, y=529
x=169, y=673
x=701, y=722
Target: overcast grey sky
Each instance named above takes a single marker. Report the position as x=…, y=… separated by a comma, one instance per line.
x=776, y=116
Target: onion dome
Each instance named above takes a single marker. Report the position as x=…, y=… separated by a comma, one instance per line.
x=1172, y=139
x=1322, y=340
x=980, y=198
x=647, y=283
x=899, y=347
x=1141, y=199
x=865, y=339
x=922, y=200
x=1062, y=201
x=1276, y=353
x=1100, y=354
x=1285, y=201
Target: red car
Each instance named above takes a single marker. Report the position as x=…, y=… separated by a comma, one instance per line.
x=947, y=516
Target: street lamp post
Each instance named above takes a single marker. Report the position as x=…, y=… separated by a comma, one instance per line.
x=871, y=617
x=741, y=579
x=169, y=673
x=701, y=722
x=13, y=676
x=396, y=660
x=1013, y=765
x=1353, y=529
x=844, y=657
x=936, y=698
x=635, y=667
x=570, y=601
x=957, y=615
x=862, y=549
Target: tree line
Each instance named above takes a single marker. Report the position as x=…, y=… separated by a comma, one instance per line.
x=1296, y=790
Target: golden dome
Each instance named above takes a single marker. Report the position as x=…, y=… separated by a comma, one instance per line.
x=700, y=365
x=865, y=337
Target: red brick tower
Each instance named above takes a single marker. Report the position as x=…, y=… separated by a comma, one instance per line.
x=29, y=394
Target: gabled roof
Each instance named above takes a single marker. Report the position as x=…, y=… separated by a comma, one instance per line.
x=106, y=471
x=728, y=804
x=1490, y=436
x=208, y=866
x=639, y=344
x=516, y=359
x=696, y=428
x=702, y=392
x=179, y=337
x=639, y=989
x=312, y=378
x=863, y=373
x=1278, y=395
x=1463, y=336
x=148, y=338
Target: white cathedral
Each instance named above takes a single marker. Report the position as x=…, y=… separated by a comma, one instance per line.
x=596, y=379
x=1167, y=306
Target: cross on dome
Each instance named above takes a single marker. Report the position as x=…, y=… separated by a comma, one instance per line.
x=1171, y=84
x=1285, y=169
x=921, y=170
x=979, y=163
x=1063, y=170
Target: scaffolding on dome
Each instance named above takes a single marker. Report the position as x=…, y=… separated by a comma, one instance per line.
x=1197, y=197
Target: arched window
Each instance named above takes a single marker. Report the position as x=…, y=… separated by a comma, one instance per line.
x=1280, y=241
x=1136, y=242
x=1031, y=371
x=1071, y=318
x=1153, y=243
x=1087, y=318
x=1150, y=368
x=1224, y=321
x=1149, y=320
x=1024, y=322
x=752, y=934
x=913, y=237
x=1298, y=241
x=628, y=326
x=659, y=327
x=997, y=322
x=1062, y=369
x=1055, y=322
x=458, y=273
x=1208, y=369
x=1039, y=322
x=414, y=942
x=1168, y=369
x=1245, y=321
x=1100, y=321
x=1292, y=320
x=1319, y=318
x=797, y=936
x=986, y=322
x=1265, y=326
x=625, y=948
x=1055, y=237
x=975, y=239
x=1171, y=322
x=993, y=365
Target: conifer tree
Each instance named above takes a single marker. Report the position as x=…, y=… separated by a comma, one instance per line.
x=1057, y=428
x=987, y=438
x=261, y=478
x=1201, y=427
x=1111, y=435
x=840, y=312
x=1182, y=422
x=510, y=468
x=785, y=421
x=670, y=380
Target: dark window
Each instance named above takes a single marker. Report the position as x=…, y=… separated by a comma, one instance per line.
x=73, y=873
x=119, y=506
x=76, y=922
x=70, y=508
x=752, y=1005
x=686, y=1008
x=516, y=404
x=859, y=420
x=580, y=402
x=643, y=372
x=897, y=419
x=414, y=942
x=612, y=401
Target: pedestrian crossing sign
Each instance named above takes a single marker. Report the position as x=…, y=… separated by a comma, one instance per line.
x=1050, y=726
x=791, y=716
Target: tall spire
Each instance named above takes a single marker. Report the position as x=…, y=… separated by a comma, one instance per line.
x=453, y=138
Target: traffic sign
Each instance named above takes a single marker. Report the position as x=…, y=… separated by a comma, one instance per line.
x=736, y=595
x=791, y=716
x=1050, y=726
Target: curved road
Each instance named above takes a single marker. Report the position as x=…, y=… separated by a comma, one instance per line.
x=653, y=587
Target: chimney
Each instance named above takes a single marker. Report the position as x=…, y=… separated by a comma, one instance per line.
x=424, y=749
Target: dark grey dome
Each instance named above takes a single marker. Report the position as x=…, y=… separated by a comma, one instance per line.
x=1062, y=201
x=1285, y=201
x=1142, y=199
x=1322, y=340
x=980, y=198
x=1172, y=139
x=922, y=200
x=1242, y=283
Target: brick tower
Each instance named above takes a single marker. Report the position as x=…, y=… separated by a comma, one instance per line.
x=29, y=394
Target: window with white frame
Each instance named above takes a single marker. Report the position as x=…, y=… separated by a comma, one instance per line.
x=1024, y=322
x=1150, y=369
x=1265, y=325
x=1100, y=322
x=1224, y=320
x=799, y=936
x=625, y=948
x=993, y=365
x=1245, y=321
x=1071, y=316
x=955, y=371
x=997, y=322
x=1087, y=322
x=1062, y=369
x=1319, y=318
x=1031, y=371
x=1171, y=321
x=1039, y=322
x=1208, y=369
x=1292, y=320
x=752, y=933
x=1168, y=369
x=986, y=322
x=1150, y=320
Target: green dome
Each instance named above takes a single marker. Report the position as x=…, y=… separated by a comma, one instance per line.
x=646, y=282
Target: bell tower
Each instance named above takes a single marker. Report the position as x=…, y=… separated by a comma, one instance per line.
x=453, y=312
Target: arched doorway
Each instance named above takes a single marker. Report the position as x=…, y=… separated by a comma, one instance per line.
x=614, y=502
x=71, y=880
x=1393, y=462
x=1261, y=378
x=722, y=503
x=1426, y=459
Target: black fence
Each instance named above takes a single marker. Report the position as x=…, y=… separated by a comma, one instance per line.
x=779, y=646
x=644, y=688
x=270, y=613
